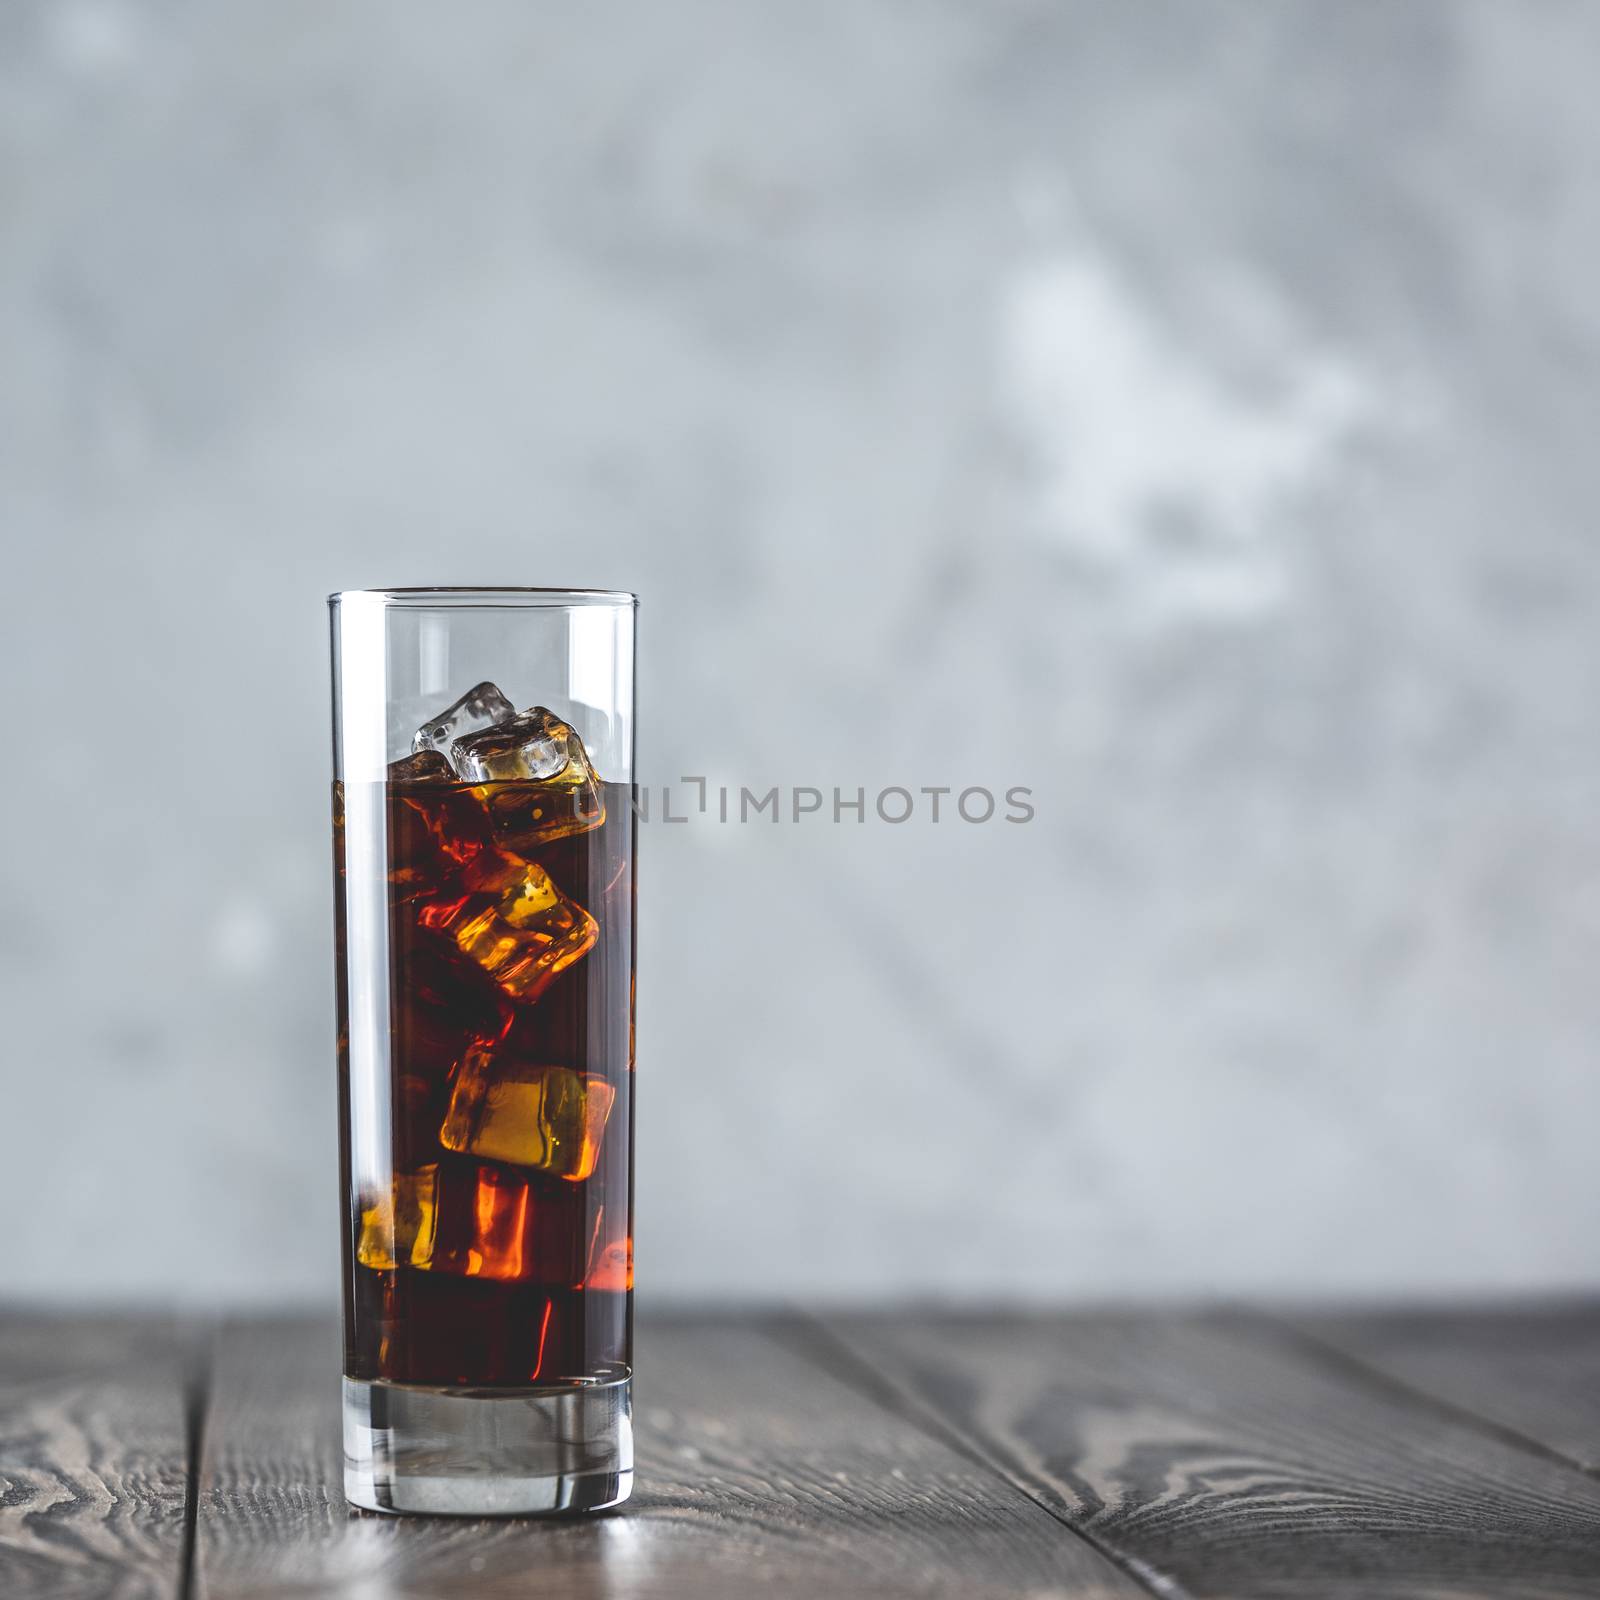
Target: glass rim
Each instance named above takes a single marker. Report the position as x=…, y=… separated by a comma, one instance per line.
x=445, y=596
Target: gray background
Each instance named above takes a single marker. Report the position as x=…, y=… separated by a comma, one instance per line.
x=1184, y=410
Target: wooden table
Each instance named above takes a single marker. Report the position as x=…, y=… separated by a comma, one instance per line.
x=1226, y=1454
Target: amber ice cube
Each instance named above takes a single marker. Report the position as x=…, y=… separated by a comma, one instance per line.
x=523, y=938
x=480, y=707
x=468, y=1220
x=548, y=1118
x=539, y=782
x=435, y=822
x=483, y=1229
x=440, y=1005
x=398, y=1228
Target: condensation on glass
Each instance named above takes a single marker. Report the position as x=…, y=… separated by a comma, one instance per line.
x=484, y=881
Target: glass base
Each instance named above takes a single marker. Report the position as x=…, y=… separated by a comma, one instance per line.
x=487, y=1452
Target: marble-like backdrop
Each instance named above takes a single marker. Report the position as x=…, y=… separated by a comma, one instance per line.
x=1183, y=410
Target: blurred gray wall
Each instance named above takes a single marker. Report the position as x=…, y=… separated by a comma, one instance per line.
x=1184, y=410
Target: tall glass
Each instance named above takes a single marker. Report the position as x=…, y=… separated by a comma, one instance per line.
x=483, y=852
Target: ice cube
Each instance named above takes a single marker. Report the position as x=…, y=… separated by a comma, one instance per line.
x=497, y=1224
x=546, y=1117
x=398, y=1228
x=527, y=815
x=478, y=1221
x=434, y=829
x=523, y=938
x=425, y=766
x=495, y=871
x=470, y=1221
x=483, y=1224
x=551, y=790
x=480, y=707
x=531, y=744
x=439, y=1004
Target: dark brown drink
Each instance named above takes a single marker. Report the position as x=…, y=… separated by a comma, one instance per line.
x=485, y=979
x=496, y=1249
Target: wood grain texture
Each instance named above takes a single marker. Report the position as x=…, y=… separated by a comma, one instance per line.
x=760, y=1472
x=1531, y=1370
x=1225, y=1459
x=93, y=1453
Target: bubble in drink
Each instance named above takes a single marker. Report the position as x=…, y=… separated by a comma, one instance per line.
x=480, y=707
x=545, y=1117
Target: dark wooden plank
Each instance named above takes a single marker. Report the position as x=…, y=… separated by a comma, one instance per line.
x=93, y=1452
x=759, y=1472
x=1227, y=1460
x=1533, y=1370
